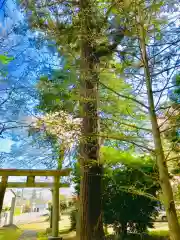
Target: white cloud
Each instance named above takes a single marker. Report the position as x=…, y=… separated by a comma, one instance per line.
x=5, y=145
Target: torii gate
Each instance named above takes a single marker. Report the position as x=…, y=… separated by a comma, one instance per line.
x=30, y=183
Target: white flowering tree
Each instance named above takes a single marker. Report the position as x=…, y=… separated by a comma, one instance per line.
x=60, y=127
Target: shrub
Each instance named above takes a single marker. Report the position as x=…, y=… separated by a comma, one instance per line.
x=159, y=236
x=73, y=219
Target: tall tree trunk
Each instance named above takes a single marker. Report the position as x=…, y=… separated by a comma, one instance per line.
x=2, y=193
x=91, y=171
x=3, y=185
x=161, y=161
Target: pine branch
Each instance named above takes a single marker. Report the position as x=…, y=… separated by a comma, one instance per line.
x=124, y=96
x=165, y=70
x=164, y=88
x=169, y=117
x=167, y=129
x=4, y=128
x=128, y=139
x=131, y=125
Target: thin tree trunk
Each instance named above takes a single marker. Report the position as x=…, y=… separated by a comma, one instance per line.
x=161, y=161
x=91, y=171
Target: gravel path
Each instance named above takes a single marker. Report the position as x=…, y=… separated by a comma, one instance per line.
x=28, y=235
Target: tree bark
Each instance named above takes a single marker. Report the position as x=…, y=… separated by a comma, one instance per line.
x=124, y=229
x=167, y=192
x=2, y=193
x=91, y=227
x=3, y=185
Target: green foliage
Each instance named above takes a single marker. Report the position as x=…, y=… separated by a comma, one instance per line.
x=5, y=59
x=61, y=92
x=124, y=207
x=58, y=93
x=130, y=197
x=73, y=219
x=172, y=134
x=133, y=236
x=130, y=185
x=112, y=156
x=63, y=206
x=76, y=177
x=174, y=115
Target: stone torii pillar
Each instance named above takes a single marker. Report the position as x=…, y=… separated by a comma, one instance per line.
x=13, y=204
x=55, y=212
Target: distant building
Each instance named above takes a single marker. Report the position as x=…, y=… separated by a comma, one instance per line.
x=39, y=205
x=35, y=199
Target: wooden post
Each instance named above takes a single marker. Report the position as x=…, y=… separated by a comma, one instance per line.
x=51, y=213
x=55, y=216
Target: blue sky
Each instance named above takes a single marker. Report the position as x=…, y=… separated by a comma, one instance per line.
x=30, y=61
x=6, y=145
x=32, y=58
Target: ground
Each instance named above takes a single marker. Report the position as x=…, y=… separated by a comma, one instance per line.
x=40, y=226
x=33, y=227
x=28, y=235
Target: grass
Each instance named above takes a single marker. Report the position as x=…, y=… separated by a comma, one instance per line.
x=64, y=226
x=154, y=235
x=161, y=233
x=9, y=234
x=42, y=225
x=39, y=227
x=42, y=236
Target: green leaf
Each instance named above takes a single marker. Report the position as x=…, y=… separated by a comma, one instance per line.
x=5, y=59
x=157, y=6
x=158, y=36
